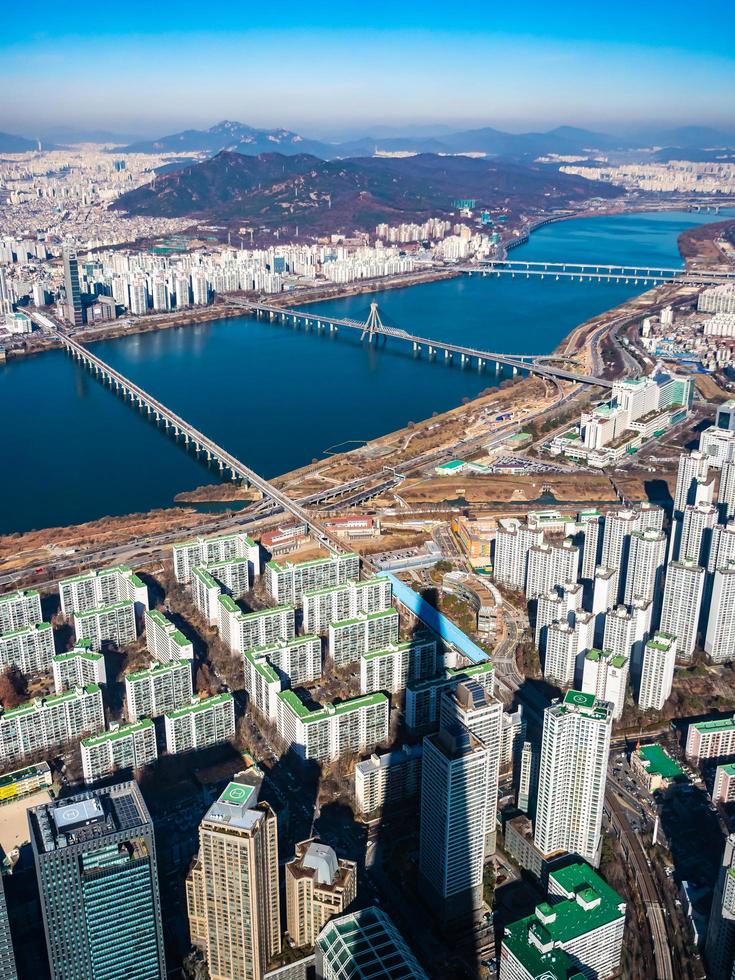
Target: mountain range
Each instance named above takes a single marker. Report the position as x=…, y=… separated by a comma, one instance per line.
x=562, y=140
x=688, y=142
x=278, y=190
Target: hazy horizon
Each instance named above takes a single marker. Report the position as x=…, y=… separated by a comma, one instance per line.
x=336, y=72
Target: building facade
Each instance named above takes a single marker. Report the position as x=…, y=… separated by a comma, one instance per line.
x=232, y=891
x=95, y=859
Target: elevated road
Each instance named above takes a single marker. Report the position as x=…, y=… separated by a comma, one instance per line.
x=530, y=363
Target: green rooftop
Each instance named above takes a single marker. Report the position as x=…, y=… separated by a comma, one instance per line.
x=615, y=660
x=93, y=656
x=328, y=710
x=202, y=704
x=659, y=763
x=41, y=704
x=716, y=725
x=88, y=613
x=191, y=542
x=115, y=734
x=100, y=573
x=390, y=651
x=262, y=665
x=590, y=904
x=26, y=630
x=19, y=594
x=365, y=618
x=204, y=577
x=288, y=566
x=157, y=669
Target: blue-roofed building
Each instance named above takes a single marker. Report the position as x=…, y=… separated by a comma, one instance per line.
x=444, y=628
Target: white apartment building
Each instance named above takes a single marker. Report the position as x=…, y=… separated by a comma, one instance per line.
x=79, y=667
x=724, y=786
x=47, y=722
x=206, y=592
x=606, y=676
x=287, y=582
x=263, y=684
x=717, y=446
x=726, y=491
x=512, y=734
x=657, y=674
x=191, y=554
x=619, y=526
x=102, y=588
x=122, y=747
x=556, y=606
x=326, y=733
x=30, y=648
x=717, y=299
x=605, y=590
x=324, y=606
x=351, y=638
x=164, y=640
x=646, y=562
x=248, y=631
x=392, y=668
x=388, y=779
x=722, y=547
x=233, y=575
x=626, y=631
x=565, y=648
x=299, y=660
x=589, y=532
x=575, y=747
x=206, y=721
x=711, y=739
x=696, y=533
x=19, y=609
x=162, y=688
x=682, y=604
x=109, y=624
x=550, y=566
x=512, y=543
x=719, y=640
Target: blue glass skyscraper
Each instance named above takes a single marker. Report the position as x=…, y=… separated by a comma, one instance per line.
x=96, y=865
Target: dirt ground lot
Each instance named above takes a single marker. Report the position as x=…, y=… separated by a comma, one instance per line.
x=481, y=489
x=14, y=819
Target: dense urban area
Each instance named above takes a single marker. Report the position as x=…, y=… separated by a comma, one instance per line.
x=458, y=702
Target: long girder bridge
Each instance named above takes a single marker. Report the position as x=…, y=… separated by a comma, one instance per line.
x=634, y=275
x=192, y=437
x=538, y=364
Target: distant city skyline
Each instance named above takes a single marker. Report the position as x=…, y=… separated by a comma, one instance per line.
x=333, y=73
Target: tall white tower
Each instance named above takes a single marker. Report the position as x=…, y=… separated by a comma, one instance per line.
x=682, y=604
x=571, y=791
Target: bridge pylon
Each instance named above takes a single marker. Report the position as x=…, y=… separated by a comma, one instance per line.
x=372, y=324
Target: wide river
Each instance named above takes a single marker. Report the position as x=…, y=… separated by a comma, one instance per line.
x=277, y=398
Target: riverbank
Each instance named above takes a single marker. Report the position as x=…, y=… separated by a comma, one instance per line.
x=367, y=387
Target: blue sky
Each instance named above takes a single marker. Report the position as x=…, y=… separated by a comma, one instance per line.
x=323, y=68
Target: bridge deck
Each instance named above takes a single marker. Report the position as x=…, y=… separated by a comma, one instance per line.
x=204, y=442
x=522, y=362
